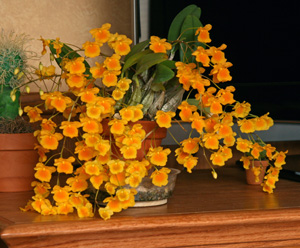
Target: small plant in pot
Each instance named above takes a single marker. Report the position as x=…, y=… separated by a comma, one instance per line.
x=16, y=133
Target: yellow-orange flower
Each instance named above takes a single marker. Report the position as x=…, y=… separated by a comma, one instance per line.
x=113, y=203
x=190, y=162
x=110, y=78
x=92, y=168
x=88, y=95
x=64, y=208
x=123, y=84
x=102, y=146
x=85, y=211
x=91, y=126
x=49, y=140
x=241, y=110
x=64, y=165
x=113, y=63
x=160, y=177
x=84, y=152
x=243, y=145
x=105, y=213
x=158, y=45
x=76, y=66
x=77, y=183
x=246, y=125
x=163, y=119
x=98, y=70
x=70, y=128
x=41, y=188
x=120, y=44
x=116, y=166
x=34, y=113
x=75, y=80
x=211, y=141
x=279, y=158
x=61, y=194
x=118, y=94
x=43, y=172
x=190, y=145
x=117, y=126
x=187, y=110
x=101, y=35
x=91, y=139
x=91, y=49
x=203, y=33
x=129, y=152
x=57, y=45
x=201, y=56
x=158, y=156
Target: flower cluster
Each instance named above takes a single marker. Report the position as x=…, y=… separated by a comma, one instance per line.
x=105, y=104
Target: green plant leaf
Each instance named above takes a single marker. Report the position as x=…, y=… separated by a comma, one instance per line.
x=169, y=63
x=188, y=29
x=134, y=59
x=175, y=27
x=149, y=60
x=163, y=73
x=137, y=48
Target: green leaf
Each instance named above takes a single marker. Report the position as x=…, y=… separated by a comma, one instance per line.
x=149, y=60
x=175, y=27
x=137, y=48
x=169, y=63
x=188, y=29
x=163, y=73
x=134, y=59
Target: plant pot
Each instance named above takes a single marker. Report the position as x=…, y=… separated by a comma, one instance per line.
x=151, y=195
x=261, y=166
x=18, y=159
x=154, y=137
x=147, y=193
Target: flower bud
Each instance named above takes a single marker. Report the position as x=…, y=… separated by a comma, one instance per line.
x=214, y=174
x=20, y=111
x=20, y=75
x=13, y=95
x=52, y=57
x=41, y=92
x=41, y=66
x=27, y=89
x=16, y=71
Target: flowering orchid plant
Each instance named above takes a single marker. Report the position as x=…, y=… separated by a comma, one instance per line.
x=131, y=84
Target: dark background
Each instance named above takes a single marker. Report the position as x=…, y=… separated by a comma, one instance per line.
x=263, y=42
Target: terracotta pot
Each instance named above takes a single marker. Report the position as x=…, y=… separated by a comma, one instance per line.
x=256, y=180
x=154, y=137
x=17, y=160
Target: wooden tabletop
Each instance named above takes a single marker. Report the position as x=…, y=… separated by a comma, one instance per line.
x=203, y=212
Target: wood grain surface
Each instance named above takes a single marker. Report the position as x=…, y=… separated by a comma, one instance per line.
x=202, y=212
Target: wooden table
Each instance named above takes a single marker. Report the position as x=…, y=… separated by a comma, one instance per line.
x=203, y=212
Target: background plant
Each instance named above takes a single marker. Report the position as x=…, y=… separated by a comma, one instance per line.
x=14, y=56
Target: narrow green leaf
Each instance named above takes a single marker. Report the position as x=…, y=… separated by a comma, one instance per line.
x=149, y=60
x=134, y=59
x=188, y=29
x=169, y=63
x=175, y=27
x=137, y=48
x=163, y=73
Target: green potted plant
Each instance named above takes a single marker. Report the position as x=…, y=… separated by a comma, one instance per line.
x=107, y=100
x=17, y=153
